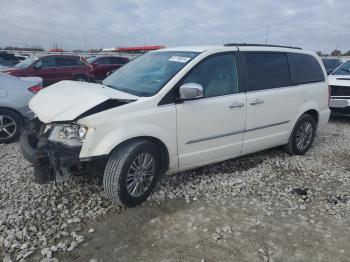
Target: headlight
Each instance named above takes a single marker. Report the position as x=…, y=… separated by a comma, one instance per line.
x=70, y=135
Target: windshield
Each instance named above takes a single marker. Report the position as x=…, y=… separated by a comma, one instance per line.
x=344, y=69
x=27, y=62
x=147, y=74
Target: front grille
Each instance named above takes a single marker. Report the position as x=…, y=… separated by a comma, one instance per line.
x=340, y=90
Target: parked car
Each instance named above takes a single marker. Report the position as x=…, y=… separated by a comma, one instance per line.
x=331, y=64
x=339, y=82
x=105, y=65
x=15, y=94
x=7, y=59
x=176, y=109
x=54, y=68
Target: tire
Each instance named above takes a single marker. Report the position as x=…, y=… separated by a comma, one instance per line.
x=10, y=125
x=81, y=78
x=120, y=168
x=294, y=147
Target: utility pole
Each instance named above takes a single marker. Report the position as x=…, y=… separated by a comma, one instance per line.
x=337, y=48
x=267, y=34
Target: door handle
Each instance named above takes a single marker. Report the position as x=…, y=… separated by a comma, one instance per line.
x=236, y=104
x=257, y=101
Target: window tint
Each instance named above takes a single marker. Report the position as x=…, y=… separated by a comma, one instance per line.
x=304, y=69
x=102, y=61
x=117, y=60
x=344, y=69
x=217, y=75
x=48, y=62
x=66, y=61
x=265, y=70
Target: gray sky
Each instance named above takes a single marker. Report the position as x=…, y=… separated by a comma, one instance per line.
x=311, y=24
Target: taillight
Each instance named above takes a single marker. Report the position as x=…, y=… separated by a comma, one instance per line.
x=329, y=94
x=35, y=89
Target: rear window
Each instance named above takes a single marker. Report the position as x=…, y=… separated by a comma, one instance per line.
x=265, y=70
x=304, y=69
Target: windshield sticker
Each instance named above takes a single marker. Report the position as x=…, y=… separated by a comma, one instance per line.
x=181, y=59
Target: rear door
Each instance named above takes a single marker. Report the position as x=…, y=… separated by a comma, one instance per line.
x=212, y=127
x=272, y=101
x=101, y=67
x=68, y=68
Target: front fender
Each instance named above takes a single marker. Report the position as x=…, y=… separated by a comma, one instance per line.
x=97, y=144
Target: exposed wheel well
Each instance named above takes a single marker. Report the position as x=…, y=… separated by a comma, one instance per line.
x=163, y=151
x=313, y=113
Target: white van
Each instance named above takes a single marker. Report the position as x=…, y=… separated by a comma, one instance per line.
x=176, y=109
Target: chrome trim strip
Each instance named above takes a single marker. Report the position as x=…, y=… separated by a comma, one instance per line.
x=262, y=127
x=233, y=133
x=214, y=137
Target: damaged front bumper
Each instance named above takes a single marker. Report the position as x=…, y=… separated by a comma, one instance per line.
x=51, y=161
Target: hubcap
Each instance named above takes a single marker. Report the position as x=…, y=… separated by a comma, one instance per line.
x=8, y=127
x=140, y=174
x=304, y=135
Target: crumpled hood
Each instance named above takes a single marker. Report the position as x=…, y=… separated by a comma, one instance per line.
x=66, y=100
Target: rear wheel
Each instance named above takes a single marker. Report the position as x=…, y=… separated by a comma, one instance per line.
x=81, y=78
x=10, y=124
x=302, y=135
x=131, y=172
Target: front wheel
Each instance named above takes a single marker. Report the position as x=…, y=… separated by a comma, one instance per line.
x=302, y=136
x=131, y=172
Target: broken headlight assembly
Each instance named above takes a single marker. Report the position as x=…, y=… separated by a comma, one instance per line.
x=70, y=135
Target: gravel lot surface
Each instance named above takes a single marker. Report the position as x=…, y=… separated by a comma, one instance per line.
x=267, y=206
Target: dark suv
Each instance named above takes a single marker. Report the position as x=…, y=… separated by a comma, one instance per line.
x=7, y=59
x=105, y=65
x=54, y=68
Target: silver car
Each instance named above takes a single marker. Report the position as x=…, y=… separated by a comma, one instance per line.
x=15, y=94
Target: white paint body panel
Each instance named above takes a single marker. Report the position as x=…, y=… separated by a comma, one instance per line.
x=177, y=124
x=204, y=118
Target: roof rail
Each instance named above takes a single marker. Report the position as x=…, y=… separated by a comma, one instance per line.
x=246, y=44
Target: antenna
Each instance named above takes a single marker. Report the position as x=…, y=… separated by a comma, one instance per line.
x=267, y=33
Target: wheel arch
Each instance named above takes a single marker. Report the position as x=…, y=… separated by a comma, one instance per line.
x=14, y=111
x=314, y=113
x=163, y=150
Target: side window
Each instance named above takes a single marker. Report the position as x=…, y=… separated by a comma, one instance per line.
x=265, y=70
x=48, y=62
x=304, y=69
x=66, y=61
x=217, y=75
x=117, y=60
x=102, y=61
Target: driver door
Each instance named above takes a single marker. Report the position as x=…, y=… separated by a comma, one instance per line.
x=212, y=127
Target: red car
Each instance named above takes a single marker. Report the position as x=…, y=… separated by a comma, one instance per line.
x=53, y=68
x=104, y=65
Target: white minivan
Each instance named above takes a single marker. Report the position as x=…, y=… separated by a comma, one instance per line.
x=176, y=109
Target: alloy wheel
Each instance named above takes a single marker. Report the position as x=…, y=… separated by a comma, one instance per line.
x=140, y=175
x=8, y=127
x=304, y=136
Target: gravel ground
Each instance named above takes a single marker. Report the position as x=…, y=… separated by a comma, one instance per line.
x=54, y=220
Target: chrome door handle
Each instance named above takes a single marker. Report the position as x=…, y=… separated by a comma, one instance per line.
x=257, y=101
x=236, y=104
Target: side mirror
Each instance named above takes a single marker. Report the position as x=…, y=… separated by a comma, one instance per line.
x=191, y=91
x=37, y=66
